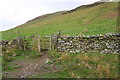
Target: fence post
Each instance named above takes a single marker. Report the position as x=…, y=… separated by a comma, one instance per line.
x=24, y=43
x=51, y=42
x=39, y=48
x=19, y=43
x=57, y=42
x=58, y=35
x=33, y=40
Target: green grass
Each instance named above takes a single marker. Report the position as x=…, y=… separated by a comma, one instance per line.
x=60, y=74
x=88, y=21
x=0, y=67
x=12, y=68
x=19, y=55
x=83, y=65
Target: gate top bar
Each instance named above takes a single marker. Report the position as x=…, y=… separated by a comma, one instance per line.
x=47, y=36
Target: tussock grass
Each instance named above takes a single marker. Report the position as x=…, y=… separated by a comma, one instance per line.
x=85, y=65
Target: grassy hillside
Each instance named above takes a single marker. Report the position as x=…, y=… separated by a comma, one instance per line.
x=99, y=19
x=87, y=65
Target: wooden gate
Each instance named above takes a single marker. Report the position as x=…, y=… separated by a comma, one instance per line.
x=46, y=43
x=37, y=43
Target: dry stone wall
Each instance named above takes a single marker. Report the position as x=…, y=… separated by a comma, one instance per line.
x=108, y=43
x=19, y=43
x=7, y=45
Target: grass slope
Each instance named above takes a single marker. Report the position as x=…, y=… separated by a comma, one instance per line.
x=63, y=65
x=99, y=19
x=82, y=65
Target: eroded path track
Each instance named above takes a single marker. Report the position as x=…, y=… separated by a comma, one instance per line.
x=28, y=67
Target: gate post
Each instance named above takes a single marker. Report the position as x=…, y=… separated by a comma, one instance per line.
x=50, y=42
x=19, y=42
x=39, y=47
x=24, y=46
x=58, y=35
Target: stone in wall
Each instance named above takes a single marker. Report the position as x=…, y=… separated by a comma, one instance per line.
x=108, y=43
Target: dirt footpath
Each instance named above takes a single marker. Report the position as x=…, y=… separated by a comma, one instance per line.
x=28, y=67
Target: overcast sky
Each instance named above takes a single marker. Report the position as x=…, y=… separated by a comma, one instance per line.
x=16, y=12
